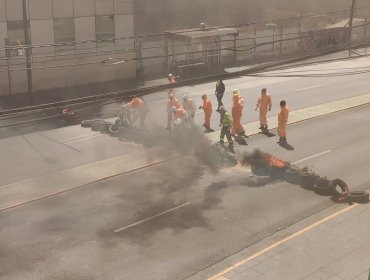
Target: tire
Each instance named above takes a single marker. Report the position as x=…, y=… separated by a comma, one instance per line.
x=277, y=173
x=114, y=129
x=292, y=176
x=308, y=180
x=260, y=170
x=333, y=184
x=105, y=126
x=97, y=125
x=321, y=187
x=86, y=123
x=358, y=196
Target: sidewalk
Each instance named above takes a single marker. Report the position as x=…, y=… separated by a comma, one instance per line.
x=333, y=244
x=303, y=114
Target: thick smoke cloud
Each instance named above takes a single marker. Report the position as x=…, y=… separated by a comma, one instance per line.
x=157, y=16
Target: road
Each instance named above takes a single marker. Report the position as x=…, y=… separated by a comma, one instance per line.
x=173, y=219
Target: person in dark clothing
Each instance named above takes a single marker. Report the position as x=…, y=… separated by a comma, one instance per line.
x=220, y=89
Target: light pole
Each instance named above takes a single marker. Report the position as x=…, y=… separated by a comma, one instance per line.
x=350, y=25
x=27, y=42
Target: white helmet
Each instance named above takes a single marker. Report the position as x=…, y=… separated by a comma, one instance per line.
x=177, y=121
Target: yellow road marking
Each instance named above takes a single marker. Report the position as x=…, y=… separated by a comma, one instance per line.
x=218, y=275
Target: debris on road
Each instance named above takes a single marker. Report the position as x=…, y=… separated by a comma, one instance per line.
x=264, y=164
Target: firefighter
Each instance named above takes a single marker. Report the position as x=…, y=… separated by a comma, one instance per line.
x=237, y=112
x=172, y=102
x=171, y=80
x=189, y=107
x=220, y=89
x=282, y=122
x=264, y=103
x=139, y=109
x=207, y=108
x=226, y=121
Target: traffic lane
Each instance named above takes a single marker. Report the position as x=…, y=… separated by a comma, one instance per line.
x=41, y=153
x=37, y=240
x=226, y=213
x=337, y=142
x=299, y=92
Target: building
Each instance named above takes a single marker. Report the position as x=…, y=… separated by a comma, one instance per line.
x=70, y=39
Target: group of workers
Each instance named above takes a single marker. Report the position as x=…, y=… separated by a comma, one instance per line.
x=230, y=123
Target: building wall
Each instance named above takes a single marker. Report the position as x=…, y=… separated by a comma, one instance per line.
x=52, y=23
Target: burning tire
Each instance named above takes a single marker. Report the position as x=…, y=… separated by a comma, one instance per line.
x=358, y=196
x=292, y=176
x=322, y=187
x=277, y=173
x=308, y=180
x=260, y=170
x=334, y=184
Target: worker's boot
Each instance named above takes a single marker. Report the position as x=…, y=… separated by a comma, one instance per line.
x=284, y=140
x=280, y=140
x=242, y=134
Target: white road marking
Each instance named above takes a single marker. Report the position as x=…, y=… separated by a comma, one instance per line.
x=151, y=218
x=300, y=89
x=317, y=155
x=84, y=139
x=79, y=137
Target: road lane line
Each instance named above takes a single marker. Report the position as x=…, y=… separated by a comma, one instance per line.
x=6, y=207
x=300, y=89
x=151, y=218
x=290, y=237
x=310, y=157
x=84, y=139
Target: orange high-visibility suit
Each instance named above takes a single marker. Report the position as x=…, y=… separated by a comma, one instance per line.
x=282, y=121
x=140, y=110
x=207, y=108
x=173, y=103
x=264, y=104
x=237, y=112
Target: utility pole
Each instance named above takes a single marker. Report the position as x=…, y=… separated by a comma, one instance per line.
x=350, y=25
x=28, y=51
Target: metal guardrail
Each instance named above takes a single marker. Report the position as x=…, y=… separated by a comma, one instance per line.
x=126, y=94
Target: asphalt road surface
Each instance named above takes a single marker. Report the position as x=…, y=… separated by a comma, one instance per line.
x=174, y=219
x=328, y=82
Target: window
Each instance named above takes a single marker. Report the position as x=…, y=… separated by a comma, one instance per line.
x=64, y=32
x=16, y=37
x=105, y=30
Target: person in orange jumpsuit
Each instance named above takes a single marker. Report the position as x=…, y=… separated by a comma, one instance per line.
x=140, y=109
x=171, y=80
x=237, y=112
x=282, y=122
x=264, y=103
x=172, y=102
x=207, y=108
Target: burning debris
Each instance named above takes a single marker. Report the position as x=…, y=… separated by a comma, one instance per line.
x=188, y=140
x=264, y=164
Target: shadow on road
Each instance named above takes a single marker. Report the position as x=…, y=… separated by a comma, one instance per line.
x=287, y=146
